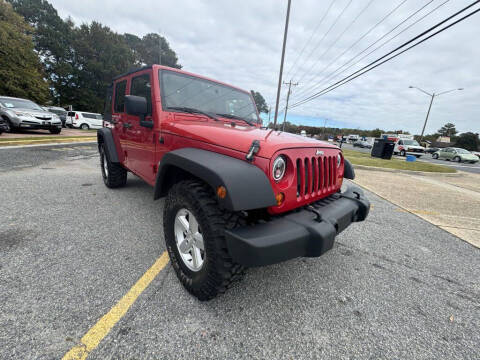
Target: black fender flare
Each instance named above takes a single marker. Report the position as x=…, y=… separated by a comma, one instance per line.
x=349, y=172
x=105, y=136
x=247, y=186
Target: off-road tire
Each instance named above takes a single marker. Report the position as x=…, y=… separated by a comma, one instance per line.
x=435, y=156
x=218, y=271
x=457, y=159
x=55, y=131
x=116, y=175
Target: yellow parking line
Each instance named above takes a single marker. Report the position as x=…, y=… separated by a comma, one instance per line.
x=96, y=334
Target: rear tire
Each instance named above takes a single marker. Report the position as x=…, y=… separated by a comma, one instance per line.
x=84, y=127
x=217, y=271
x=114, y=175
x=457, y=159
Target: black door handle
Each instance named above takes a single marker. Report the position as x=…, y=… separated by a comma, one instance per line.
x=127, y=125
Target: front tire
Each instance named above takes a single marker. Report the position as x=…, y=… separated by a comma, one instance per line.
x=402, y=153
x=56, y=131
x=435, y=156
x=194, y=223
x=457, y=159
x=114, y=175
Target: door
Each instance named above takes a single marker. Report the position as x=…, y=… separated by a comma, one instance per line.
x=118, y=118
x=141, y=140
x=447, y=154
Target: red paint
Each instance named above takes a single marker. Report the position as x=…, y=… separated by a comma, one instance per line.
x=140, y=148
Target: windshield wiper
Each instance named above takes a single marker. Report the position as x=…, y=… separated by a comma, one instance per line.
x=230, y=116
x=193, y=111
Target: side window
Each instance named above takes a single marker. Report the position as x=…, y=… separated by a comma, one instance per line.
x=120, y=88
x=141, y=86
x=71, y=113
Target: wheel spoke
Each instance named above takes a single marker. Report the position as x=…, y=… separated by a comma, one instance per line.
x=183, y=222
x=199, y=241
x=193, y=224
x=196, y=256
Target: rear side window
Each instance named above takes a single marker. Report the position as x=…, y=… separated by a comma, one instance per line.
x=141, y=86
x=91, y=116
x=120, y=88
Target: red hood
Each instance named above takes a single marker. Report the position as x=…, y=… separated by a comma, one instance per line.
x=240, y=137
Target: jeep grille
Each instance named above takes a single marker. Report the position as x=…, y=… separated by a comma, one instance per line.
x=315, y=175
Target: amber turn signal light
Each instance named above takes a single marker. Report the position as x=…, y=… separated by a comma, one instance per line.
x=221, y=192
x=280, y=197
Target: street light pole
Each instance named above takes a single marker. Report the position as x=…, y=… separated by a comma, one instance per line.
x=433, y=95
x=281, y=64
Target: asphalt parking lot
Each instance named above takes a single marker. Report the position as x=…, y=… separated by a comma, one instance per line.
x=471, y=168
x=393, y=287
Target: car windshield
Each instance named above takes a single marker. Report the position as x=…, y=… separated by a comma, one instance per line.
x=19, y=103
x=462, y=151
x=184, y=91
x=411, y=142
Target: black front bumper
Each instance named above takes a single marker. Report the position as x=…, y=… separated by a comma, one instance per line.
x=308, y=232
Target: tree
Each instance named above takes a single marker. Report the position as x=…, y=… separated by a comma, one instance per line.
x=469, y=141
x=20, y=69
x=447, y=130
x=259, y=101
x=152, y=49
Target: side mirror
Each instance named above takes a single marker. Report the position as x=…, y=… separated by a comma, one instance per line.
x=137, y=105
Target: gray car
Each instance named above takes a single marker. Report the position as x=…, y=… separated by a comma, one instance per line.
x=25, y=114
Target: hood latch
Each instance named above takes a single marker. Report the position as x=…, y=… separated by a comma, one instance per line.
x=253, y=150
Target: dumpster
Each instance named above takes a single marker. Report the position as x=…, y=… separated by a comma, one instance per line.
x=383, y=148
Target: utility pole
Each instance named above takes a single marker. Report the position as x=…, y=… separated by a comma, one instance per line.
x=324, y=125
x=288, y=97
x=433, y=95
x=281, y=64
x=269, y=112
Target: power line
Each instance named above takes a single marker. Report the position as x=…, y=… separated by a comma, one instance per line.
x=324, y=35
x=368, y=67
x=337, y=71
x=310, y=39
x=335, y=41
x=305, y=90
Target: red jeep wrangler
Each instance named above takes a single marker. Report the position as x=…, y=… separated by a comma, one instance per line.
x=236, y=195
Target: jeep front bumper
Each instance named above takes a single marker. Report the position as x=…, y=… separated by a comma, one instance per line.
x=308, y=232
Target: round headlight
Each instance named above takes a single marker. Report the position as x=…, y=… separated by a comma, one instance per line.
x=339, y=160
x=279, y=167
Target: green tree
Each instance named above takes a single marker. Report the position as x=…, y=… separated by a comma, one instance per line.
x=20, y=69
x=469, y=141
x=259, y=101
x=447, y=130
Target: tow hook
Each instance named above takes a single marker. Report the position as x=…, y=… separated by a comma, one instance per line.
x=318, y=216
x=253, y=150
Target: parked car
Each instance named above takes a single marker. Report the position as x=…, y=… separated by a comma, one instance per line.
x=455, y=154
x=25, y=114
x=61, y=112
x=362, y=144
x=236, y=195
x=84, y=120
x=405, y=147
x=431, y=150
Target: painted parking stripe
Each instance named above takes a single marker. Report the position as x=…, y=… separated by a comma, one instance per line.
x=96, y=333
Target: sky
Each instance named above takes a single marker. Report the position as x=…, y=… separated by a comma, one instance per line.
x=240, y=42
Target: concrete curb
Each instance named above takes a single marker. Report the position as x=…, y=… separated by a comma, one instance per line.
x=80, y=142
x=375, y=168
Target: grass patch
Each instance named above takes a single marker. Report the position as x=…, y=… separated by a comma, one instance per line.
x=359, y=158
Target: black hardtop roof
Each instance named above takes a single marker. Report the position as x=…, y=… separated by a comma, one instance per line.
x=133, y=71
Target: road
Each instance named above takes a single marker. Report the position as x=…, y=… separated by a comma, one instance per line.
x=472, y=168
x=393, y=287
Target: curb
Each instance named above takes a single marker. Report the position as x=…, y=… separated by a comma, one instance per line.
x=375, y=168
x=79, y=142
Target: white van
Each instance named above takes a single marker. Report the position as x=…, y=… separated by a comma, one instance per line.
x=84, y=120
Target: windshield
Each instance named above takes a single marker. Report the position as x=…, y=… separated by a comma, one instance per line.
x=411, y=142
x=18, y=103
x=180, y=90
x=462, y=151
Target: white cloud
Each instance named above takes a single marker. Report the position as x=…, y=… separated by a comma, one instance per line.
x=239, y=42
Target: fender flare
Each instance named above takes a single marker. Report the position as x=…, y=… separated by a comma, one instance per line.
x=349, y=172
x=105, y=136
x=247, y=186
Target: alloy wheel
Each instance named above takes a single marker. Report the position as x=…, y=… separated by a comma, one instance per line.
x=189, y=239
